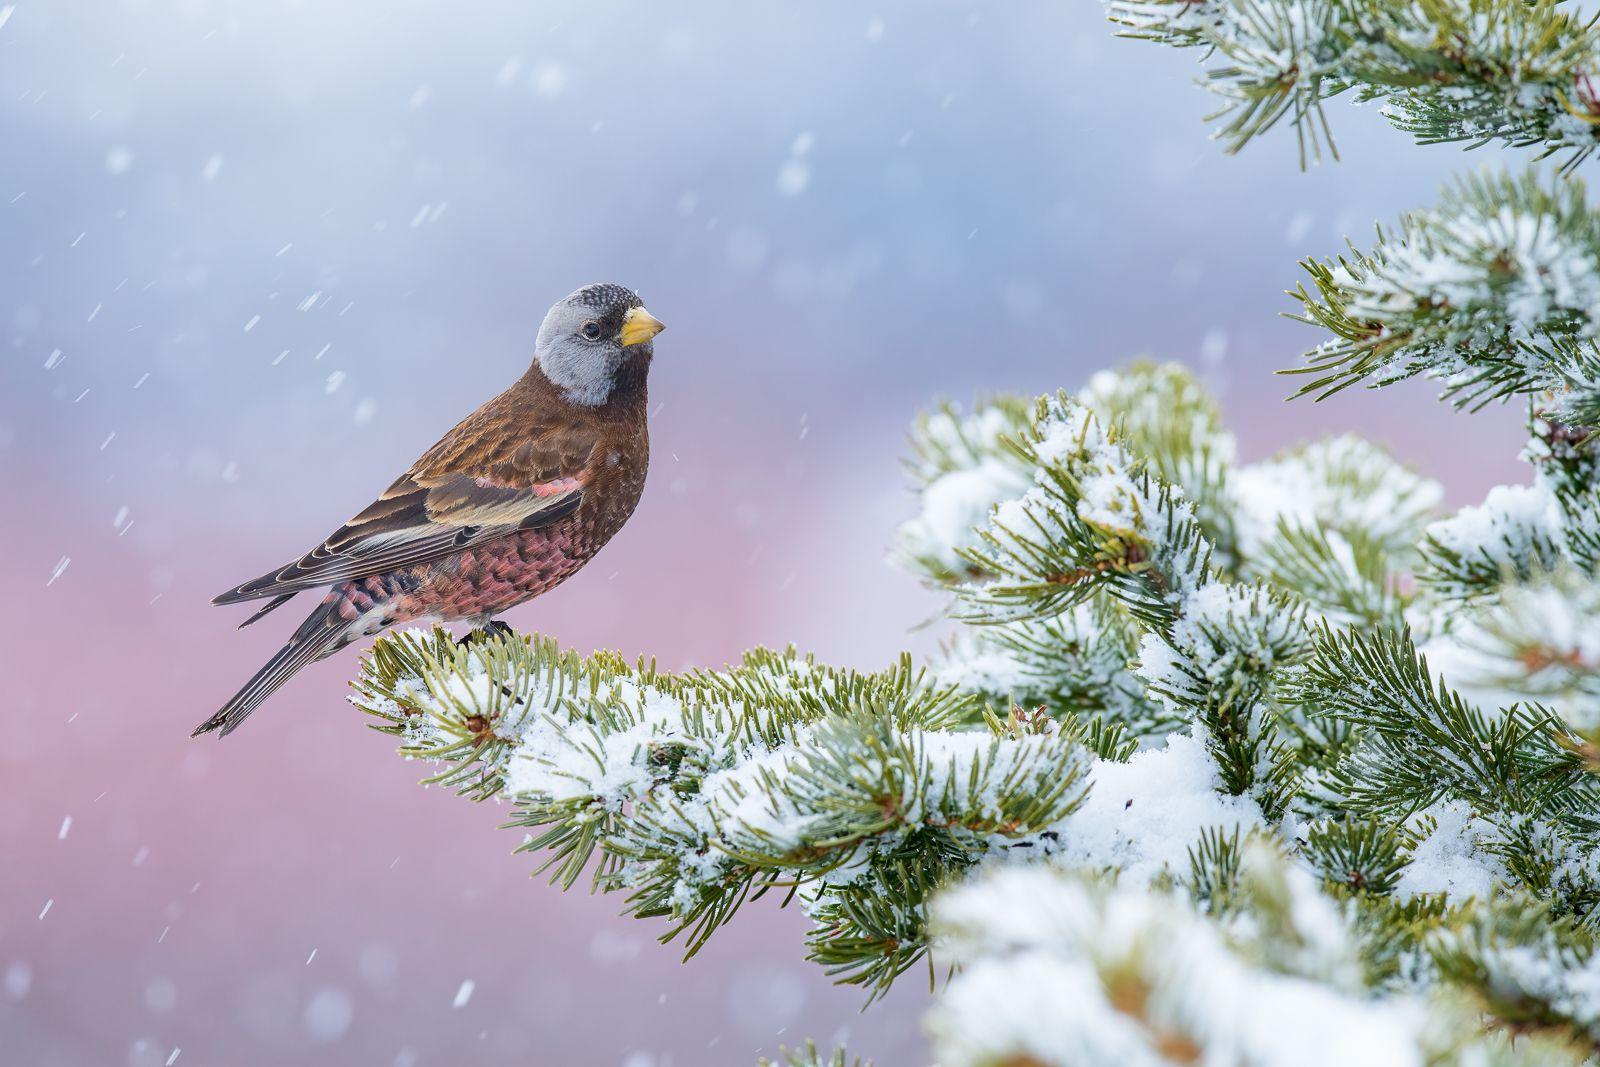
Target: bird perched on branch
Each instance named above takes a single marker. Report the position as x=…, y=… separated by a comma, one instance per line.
x=512, y=502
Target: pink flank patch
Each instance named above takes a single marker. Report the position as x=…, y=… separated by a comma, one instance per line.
x=560, y=485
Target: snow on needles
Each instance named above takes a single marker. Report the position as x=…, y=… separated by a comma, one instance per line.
x=1450, y=858
x=1340, y=483
x=561, y=756
x=1139, y=978
x=963, y=471
x=1505, y=530
x=1142, y=817
x=622, y=746
x=953, y=504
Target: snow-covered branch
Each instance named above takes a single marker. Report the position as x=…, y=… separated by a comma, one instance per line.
x=1445, y=70
x=1062, y=970
x=690, y=793
x=1494, y=292
x=1180, y=727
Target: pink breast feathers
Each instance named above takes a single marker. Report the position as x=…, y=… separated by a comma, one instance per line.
x=489, y=578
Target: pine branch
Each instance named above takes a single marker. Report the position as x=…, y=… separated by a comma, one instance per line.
x=1538, y=639
x=1098, y=522
x=1421, y=740
x=1342, y=486
x=693, y=793
x=1362, y=855
x=1566, y=455
x=1532, y=971
x=1493, y=292
x=960, y=467
x=1442, y=68
x=809, y=1056
x=1513, y=536
x=1114, y=753
x=1163, y=415
x=1345, y=577
x=1076, y=662
x=1420, y=745
x=1220, y=664
x=1095, y=520
x=1057, y=969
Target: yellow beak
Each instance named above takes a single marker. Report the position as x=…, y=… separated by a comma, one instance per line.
x=638, y=326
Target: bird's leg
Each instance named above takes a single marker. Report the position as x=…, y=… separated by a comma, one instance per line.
x=491, y=628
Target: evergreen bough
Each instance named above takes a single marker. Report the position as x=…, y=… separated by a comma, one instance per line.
x=1264, y=763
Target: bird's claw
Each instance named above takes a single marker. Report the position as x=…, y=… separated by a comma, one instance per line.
x=492, y=628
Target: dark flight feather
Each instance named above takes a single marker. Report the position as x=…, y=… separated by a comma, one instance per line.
x=323, y=632
x=267, y=608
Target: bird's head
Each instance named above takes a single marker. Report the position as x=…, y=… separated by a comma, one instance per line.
x=596, y=342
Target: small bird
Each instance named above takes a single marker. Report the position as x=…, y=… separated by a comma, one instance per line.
x=511, y=503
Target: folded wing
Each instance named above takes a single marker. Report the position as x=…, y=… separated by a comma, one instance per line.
x=421, y=518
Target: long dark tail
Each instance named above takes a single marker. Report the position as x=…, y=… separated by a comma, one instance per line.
x=323, y=632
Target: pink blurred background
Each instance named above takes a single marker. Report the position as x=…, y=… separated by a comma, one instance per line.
x=255, y=256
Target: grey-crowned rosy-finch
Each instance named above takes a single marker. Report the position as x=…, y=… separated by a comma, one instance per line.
x=510, y=503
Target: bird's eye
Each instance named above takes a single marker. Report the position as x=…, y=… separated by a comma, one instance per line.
x=591, y=330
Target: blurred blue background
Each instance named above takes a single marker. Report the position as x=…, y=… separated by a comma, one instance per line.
x=254, y=257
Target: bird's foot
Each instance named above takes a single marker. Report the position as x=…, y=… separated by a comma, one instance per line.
x=492, y=628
